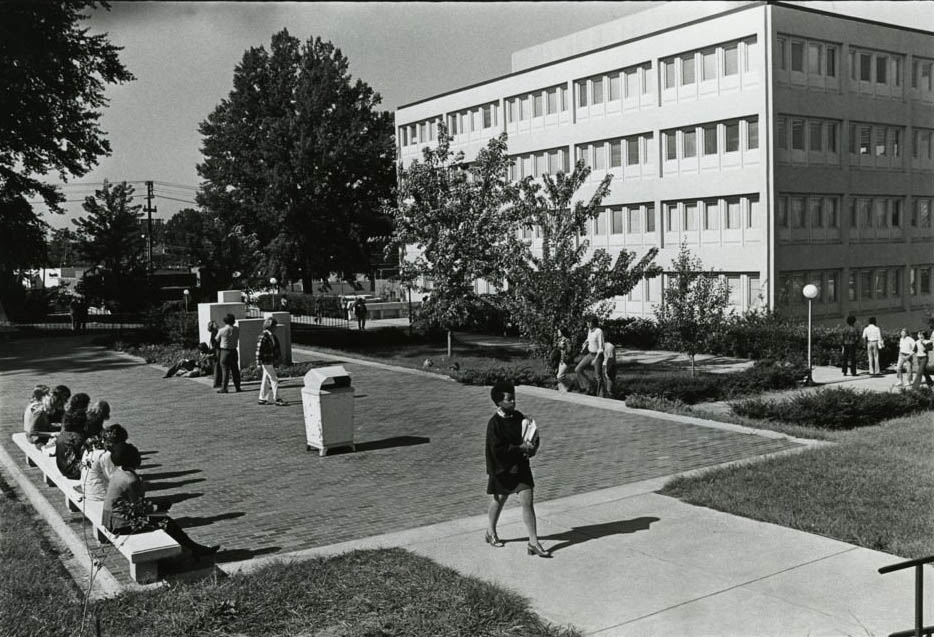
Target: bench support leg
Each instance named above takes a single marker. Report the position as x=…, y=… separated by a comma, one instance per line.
x=48, y=480
x=145, y=572
x=100, y=537
x=29, y=462
x=71, y=505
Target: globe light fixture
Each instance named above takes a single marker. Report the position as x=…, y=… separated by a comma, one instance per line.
x=275, y=292
x=810, y=292
x=187, y=293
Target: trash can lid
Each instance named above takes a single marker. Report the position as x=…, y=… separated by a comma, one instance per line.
x=318, y=377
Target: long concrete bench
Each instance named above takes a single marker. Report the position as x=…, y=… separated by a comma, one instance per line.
x=142, y=550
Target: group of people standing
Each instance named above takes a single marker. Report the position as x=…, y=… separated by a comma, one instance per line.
x=599, y=358
x=913, y=352
x=102, y=459
x=225, y=342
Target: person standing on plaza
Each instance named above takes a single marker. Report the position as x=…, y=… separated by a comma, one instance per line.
x=268, y=355
x=593, y=357
x=923, y=347
x=564, y=355
x=360, y=311
x=215, y=350
x=228, y=338
x=507, y=466
x=608, y=370
x=850, y=342
x=906, y=357
x=872, y=336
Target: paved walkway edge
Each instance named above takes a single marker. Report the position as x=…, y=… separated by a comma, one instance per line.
x=360, y=361
x=104, y=583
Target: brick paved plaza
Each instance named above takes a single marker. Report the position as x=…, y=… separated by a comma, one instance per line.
x=240, y=475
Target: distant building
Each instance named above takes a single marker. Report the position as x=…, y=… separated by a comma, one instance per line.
x=785, y=145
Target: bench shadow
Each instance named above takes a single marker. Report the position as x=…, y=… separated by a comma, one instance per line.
x=597, y=531
x=187, y=522
x=149, y=466
x=162, y=486
x=385, y=443
x=175, y=498
x=152, y=477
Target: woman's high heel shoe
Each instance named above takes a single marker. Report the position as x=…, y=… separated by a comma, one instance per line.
x=536, y=549
x=493, y=540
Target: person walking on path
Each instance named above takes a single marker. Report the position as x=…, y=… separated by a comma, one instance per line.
x=906, y=358
x=215, y=350
x=228, y=337
x=360, y=311
x=923, y=347
x=608, y=370
x=507, y=466
x=268, y=355
x=872, y=336
x=564, y=354
x=593, y=358
x=850, y=342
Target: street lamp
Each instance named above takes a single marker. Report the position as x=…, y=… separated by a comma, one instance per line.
x=187, y=293
x=275, y=291
x=810, y=292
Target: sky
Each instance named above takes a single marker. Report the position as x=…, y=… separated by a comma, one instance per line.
x=183, y=55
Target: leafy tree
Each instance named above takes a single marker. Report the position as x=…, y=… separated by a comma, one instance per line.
x=63, y=247
x=188, y=234
x=693, y=307
x=22, y=247
x=457, y=225
x=53, y=75
x=558, y=288
x=298, y=157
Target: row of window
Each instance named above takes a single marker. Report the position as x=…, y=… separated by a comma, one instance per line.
x=683, y=143
x=876, y=144
x=610, y=153
x=629, y=83
x=812, y=57
x=864, y=284
x=730, y=213
x=708, y=64
x=549, y=101
x=822, y=211
x=806, y=133
x=539, y=163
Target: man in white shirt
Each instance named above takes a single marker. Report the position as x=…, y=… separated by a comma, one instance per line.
x=906, y=357
x=872, y=336
x=593, y=346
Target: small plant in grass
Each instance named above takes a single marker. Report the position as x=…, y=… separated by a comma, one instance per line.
x=837, y=408
x=657, y=403
x=531, y=372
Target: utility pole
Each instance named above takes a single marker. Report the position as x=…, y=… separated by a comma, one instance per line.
x=149, y=211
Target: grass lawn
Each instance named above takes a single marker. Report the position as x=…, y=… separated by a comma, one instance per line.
x=875, y=488
x=362, y=593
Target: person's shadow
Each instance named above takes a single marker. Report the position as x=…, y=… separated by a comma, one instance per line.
x=597, y=531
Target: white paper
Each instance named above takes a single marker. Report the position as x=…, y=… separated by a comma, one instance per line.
x=529, y=428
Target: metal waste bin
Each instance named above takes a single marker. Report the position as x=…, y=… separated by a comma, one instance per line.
x=327, y=400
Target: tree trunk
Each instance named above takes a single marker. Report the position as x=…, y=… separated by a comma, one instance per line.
x=449, y=343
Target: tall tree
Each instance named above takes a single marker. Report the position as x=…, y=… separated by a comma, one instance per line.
x=298, y=156
x=63, y=247
x=557, y=288
x=457, y=224
x=188, y=234
x=694, y=305
x=109, y=236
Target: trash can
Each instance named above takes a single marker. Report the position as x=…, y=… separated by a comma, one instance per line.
x=327, y=400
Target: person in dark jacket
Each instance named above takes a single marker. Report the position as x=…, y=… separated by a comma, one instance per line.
x=268, y=355
x=69, y=445
x=507, y=466
x=851, y=338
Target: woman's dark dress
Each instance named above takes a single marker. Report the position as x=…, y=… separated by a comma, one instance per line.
x=506, y=464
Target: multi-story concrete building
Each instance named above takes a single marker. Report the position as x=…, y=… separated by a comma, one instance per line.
x=784, y=144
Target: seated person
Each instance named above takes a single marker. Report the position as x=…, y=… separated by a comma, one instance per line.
x=96, y=463
x=96, y=415
x=204, y=364
x=60, y=396
x=36, y=421
x=126, y=509
x=77, y=402
x=69, y=445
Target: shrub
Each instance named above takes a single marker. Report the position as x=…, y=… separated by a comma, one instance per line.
x=638, y=333
x=837, y=408
x=165, y=354
x=255, y=372
x=531, y=372
x=656, y=403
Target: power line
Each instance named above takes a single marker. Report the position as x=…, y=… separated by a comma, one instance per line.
x=171, y=185
x=195, y=203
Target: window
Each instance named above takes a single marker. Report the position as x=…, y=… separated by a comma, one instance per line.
x=582, y=93
x=650, y=218
x=554, y=162
x=814, y=212
x=523, y=109
x=537, y=105
x=865, y=67
x=865, y=139
x=895, y=139
x=830, y=212
x=552, y=104
x=913, y=281
x=754, y=213
x=815, y=136
x=614, y=87
x=403, y=136
x=831, y=287
x=599, y=158
x=831, y=60
x=710, y=64
x=865, y=284
x=732, y=214
x=671, y=150
x=632, y=151
x=924, y=212
x=617, y=221
x=671, y=216
x=896, y=213
x=646, y=80
x=422, y=132
x=690, y=216
x=797, y=56
x=689, y=141
x=926, y=76
x=882, y=287
x=669, y=70
x=797, y=134
x=925, y=280
x=881, y=218
x=710, y=139
x=897, y=68
x=597, y=86
x=880, y=141
x=781, y=212
x=882, y=64
x=564, y=98
x=755, y=290
x=541, y=164
x=752, y=53
x=730, y=60
x=736, y=294
x=600, y=223
x=732, y=136
x=781, y=134
x=782, y=54
x=797, y=212
x=687, y=70
x=487, y=116
x=711, y=215
x=814, y=59
x=831, y=138
x=752, y=135
x=633, y=214
x=616, y=154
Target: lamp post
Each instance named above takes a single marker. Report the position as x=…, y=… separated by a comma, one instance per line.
x=810, y=292
x=275, y=291
x=187, y=293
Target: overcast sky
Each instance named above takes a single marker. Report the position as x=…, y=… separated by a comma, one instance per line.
x=183, y=55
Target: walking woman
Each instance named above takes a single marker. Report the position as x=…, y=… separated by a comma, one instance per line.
x=507, y=466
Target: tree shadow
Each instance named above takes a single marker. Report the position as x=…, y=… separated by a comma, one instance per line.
x=193, y=521
x=162, y=486
x=152, y=477
x=175, y=498
x=596, y=531
x=238, y=555
x=149, y=466
x=385, y=443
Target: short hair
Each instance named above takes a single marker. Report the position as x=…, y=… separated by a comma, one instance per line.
x=62, y=393
x=126, y=455
x=500, y=389
x=204, y=348
x=872, y=320
x=230, y=319
x=114, y=434
x=39, y=392
x=850, y=320
x=100, y=408
x=592, y=320
x=78, y=402
x=74, y=420
x=270, y=323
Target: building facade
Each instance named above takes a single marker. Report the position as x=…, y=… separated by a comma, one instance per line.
x=784, y=145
